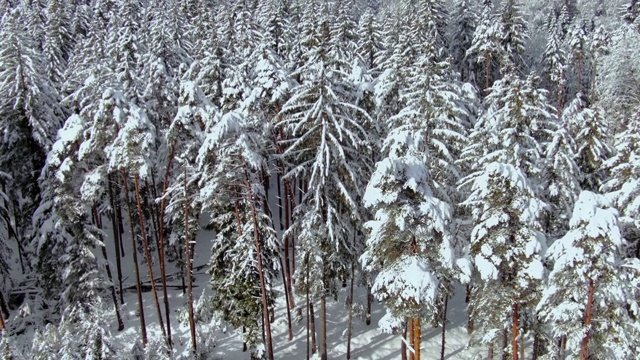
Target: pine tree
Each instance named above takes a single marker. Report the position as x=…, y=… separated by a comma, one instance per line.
x=590, y=299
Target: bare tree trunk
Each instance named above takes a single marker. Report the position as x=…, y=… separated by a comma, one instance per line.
x=286, y=294
x=350, y=304
x=116, y=238
x=412, y=340
x=312, y=315
x=369, y=301
x=444, y=326
x=161, y=249
x=134, y=252
x=514, y=338
x=584, y=346
x=308, y=309
x=490, y=352
x=579, y=70
x=403, y=343
x=189, y=267
x=287, y=262
x=469, y=309
x=118, y=210
x=147, y=255
x=417, y=337
x=3, y=307
x=487, y=69
x=323, y=326
x=505, y=343
x=98, y=222
x=263, y=290
x=2, y=326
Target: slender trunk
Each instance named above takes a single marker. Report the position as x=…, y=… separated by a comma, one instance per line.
x=312, y=315
x=189, y=267
x=487, y=69
x=514, y=338
x=114, y=297
x=147, y=255
x=369, y=301
x=350, y=317
x=2, y=326
x=286, y=294
x=584, y=346
x=469, y=309
x=522, y=344
x=403, y=343
x=444, y=326
x=417, y=336
x=161, y=249
x=536, y=345
x=308, y=308
x=263, y=289
x=287, y=262
x=118, y=210
x=505, y=343
x=323, y=327
x=4, y=309
x=134, y=252
x=116, y=239
x=490, y=352
x=412, y=339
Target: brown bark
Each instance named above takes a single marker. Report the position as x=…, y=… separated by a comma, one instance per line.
x=584, y=346
x=187, y=247
x=98, y=222
x=116, y=239
x=403, y=342
x=444, y=326
x=134, y=252
x=161, y=249
x=412, y=340
x=350, y=320
x=490, y=352
x=514, y=338
x=286, y=294
x=263, y=290
x=147, y=255
x=505, y=343
x=417, y=336
x=470, y=323
x=323, y=327
x=287, y=262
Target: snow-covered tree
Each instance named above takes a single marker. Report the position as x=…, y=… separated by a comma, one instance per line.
x=591, y=298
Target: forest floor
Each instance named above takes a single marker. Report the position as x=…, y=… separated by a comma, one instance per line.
x=368, y=341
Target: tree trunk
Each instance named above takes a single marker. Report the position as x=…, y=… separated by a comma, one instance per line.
x=308, y=308
x=134, y=252
x=412, y=340
x=490, y=352
x=323, y=326
x=514, y=338
x=403, y=343
x=147, y=255
x=417, y=337
x=161, y=249
x=286, y=294
x=444, y=326
x=350, y=316
x=584, y=346
x=263, y=289
x=505, y=343
x=98, y=222
x=118, y=210
x=116, y=238
x=4, y=309
x=369, y=301
x=487, y=69
x=579, y=70
x=187, y=246
x=314, y=347
x=469, y=309
x=2, y=326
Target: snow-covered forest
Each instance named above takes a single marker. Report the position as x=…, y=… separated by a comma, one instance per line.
x=235, y=179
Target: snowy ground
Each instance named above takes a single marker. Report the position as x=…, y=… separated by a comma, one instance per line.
x=367, y=343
